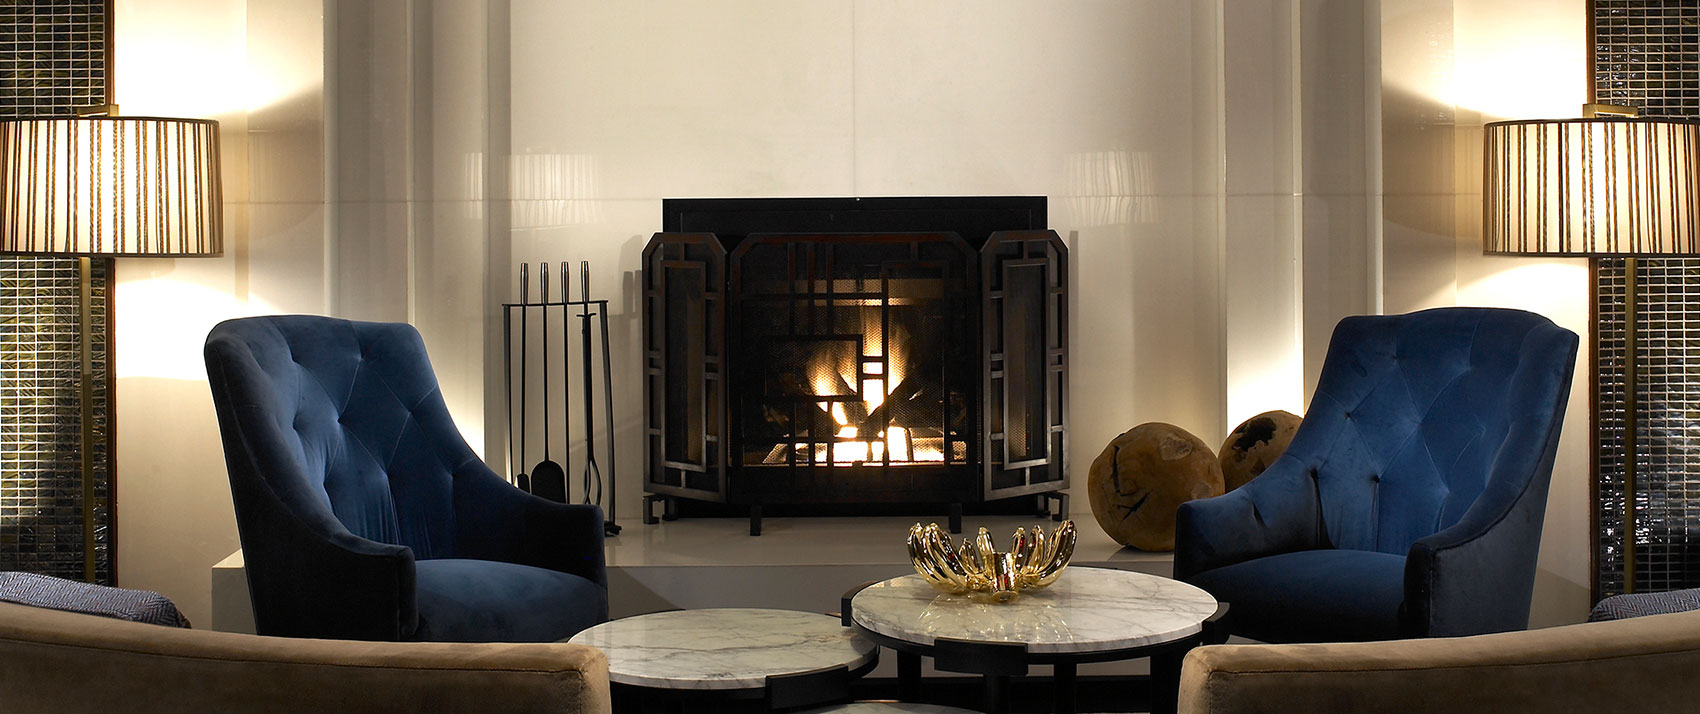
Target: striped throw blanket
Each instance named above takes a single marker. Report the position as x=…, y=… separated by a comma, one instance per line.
x=89, y=598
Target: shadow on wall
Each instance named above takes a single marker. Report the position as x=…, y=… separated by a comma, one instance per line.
x=1422, y=212
x=625, y=350
x=1557, y=600
x=175, y=514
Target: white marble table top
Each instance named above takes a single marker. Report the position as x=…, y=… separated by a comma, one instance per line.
x=723, y=648
x=1086, y=610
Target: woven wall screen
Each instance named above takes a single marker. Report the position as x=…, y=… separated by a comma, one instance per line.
x=1647, y=54
x=52, y=60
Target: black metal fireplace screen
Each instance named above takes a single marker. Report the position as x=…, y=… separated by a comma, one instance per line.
x=842, y=369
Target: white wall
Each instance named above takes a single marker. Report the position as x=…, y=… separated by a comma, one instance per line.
x=1448, y=67
x=1527, y=59
x=1264, y=208
x=384, y=192
x=1231, y=176
x=1353, y=137
x=1108, y=107
x=260, y=72
x=174, y=502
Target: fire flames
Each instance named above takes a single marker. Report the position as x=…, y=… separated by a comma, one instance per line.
x=894, y=444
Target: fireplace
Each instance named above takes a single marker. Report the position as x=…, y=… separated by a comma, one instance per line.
x=855, y=355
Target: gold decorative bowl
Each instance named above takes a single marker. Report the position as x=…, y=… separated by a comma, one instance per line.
x=1032, y=562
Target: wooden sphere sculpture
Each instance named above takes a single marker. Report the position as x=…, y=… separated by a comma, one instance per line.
x=1253, y=446
x=1143, y=476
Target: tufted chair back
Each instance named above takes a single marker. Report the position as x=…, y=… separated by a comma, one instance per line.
x=1411, y=416
x=363, y=513
x=344, y=425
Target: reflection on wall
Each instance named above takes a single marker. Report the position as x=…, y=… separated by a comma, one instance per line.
x=552, y=190
x=545, y=190
x=1107, y=188
x=1419, y=175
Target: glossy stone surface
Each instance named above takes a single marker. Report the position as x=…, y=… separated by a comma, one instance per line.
x=1086, y=610
x=729, y=648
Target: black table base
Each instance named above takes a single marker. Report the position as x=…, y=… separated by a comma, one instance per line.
x=996, y=663
x=830, y=685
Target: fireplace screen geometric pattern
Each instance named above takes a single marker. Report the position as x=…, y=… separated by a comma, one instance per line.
x=855, y=369
x=1025, y=279
x=684, y=347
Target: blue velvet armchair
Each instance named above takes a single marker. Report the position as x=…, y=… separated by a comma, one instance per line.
x=362, y=512
x=1410, y=501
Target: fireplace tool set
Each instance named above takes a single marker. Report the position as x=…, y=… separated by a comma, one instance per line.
x=548, y=478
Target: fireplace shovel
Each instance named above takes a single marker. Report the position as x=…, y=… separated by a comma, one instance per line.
x=508, y=382
x=548, y=479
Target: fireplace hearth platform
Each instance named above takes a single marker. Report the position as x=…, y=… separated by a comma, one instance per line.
x=803, y=564
x=800, y=564
x=855, y=356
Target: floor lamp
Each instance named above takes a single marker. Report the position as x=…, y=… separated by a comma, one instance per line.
x=107, y=186
x=1597, y=187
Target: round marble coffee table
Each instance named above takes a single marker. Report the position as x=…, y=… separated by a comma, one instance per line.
x=1087, y=615
x=886, y=708
x=789, y=658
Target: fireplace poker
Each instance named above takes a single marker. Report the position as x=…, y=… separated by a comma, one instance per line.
x=521, y=480
x=566, y=386
x=590, y=468
x=609, y=526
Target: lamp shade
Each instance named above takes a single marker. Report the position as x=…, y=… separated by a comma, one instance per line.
x=1591, y=187
x=141, y=186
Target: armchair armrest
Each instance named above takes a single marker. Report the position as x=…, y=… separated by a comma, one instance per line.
x=309, y=577
x=308, y=583
x=1478, y=575
x=1277, y=512
x=1593, y=667
x=496, y=521
x=147, y=669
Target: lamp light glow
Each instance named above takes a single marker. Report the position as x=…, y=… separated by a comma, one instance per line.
x=1591, y=187
x=107, y=186
x=135, y=186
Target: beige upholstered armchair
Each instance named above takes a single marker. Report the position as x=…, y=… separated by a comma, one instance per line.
x=1644, y=664
x=67, y=663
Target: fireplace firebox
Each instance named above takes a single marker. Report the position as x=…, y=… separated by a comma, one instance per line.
x=851, y=355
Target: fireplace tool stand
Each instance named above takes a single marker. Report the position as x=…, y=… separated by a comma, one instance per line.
x=597, y=486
